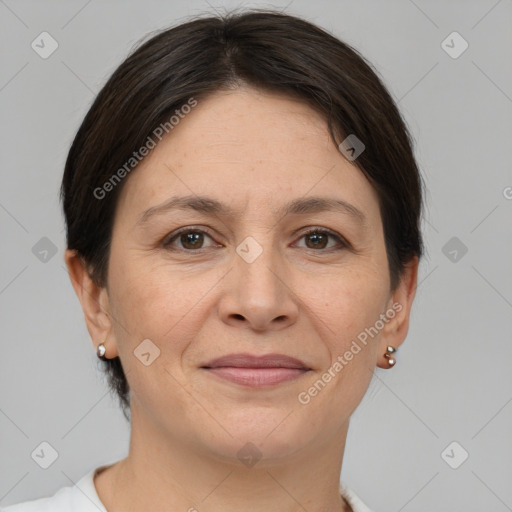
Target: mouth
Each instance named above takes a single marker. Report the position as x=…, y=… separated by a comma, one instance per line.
x=256, y=371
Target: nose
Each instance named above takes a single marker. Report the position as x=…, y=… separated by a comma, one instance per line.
x=259, y=295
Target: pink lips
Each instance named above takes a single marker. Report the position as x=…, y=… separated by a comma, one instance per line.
x=256, y=371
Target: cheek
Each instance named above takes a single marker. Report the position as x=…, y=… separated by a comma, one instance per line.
x=169, y=305
x=350, y=302
x=153, y=302
x=348, y=310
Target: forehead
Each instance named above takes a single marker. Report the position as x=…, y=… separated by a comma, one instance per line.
x=247, y=147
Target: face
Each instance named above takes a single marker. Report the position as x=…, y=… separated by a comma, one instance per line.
x=245, y=264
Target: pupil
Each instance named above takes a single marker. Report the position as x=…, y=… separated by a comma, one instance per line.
x=317, y=237
x=191, y=238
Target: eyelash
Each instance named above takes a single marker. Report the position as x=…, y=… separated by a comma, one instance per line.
x=342, y=243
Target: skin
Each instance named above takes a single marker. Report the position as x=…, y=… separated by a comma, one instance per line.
x=263, y=150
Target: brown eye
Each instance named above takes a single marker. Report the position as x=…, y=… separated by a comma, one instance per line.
x=318, y=239
x=192, y=240
x=189, y=239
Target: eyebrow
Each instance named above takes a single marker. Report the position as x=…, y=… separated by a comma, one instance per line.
x=301, y=206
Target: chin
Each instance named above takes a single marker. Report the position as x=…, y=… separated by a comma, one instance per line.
x=260, y=436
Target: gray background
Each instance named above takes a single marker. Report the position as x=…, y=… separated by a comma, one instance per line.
x=453, y=379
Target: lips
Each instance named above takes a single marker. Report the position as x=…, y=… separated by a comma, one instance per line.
x=250, y=361
x=256, y=371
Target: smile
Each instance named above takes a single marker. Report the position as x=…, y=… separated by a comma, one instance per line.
x=256, y=371
x=257, y=377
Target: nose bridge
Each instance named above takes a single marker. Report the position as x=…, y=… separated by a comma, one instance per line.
x=257, y=292
x=257, y=265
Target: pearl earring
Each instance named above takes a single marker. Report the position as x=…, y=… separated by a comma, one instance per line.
x=101, y=352
x=389, y=355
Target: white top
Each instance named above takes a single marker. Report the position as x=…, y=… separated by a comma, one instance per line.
x=83, y=497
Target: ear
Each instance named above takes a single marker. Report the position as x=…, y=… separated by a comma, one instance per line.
x=396, y=328
x=95, y=303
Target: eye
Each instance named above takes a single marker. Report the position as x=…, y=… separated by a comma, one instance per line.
x=189, y=239
x=318, y=239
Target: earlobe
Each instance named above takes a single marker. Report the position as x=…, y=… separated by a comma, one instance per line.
x=395, y=332
x=94, y=301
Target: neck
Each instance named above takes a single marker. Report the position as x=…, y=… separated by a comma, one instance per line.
x=162, y=474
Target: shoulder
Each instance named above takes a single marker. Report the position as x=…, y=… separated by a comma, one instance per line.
x=353, y=500
x=60, y=501
x=81, y=497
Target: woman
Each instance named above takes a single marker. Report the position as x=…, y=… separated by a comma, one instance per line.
x=242, y=206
